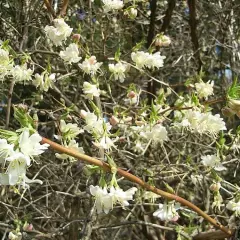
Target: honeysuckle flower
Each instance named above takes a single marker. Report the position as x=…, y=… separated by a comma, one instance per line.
x=199, y=122
x=157, y=133
x=15, y=236
x=122, y=197
x=212, y=161
x=138, y=147
x=105, y=142
x=112, y=5
x=95, y=125
x=90, y=65
x=166, y=212
x=30, y=145
x=17, y=167
x=151, y=196
x=70, y=55
x=204, y=90
x=73, y=145
x=118, y=71
x=21, y=73
x=69, y=130
x=59, y=32
x=234, y=206
x=162, y=41
x=133, y=13
x=217, y=200
x=5, y=64
x=4, y=57
x=5, y=149
x=44, y=81
x=90, y=90
x=104, y=202
x=143, y=59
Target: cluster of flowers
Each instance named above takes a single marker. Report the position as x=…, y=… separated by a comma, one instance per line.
x=105, y=200
x=143, y=59
x=68, y=133
x=99, y=129
x=8, y=68
x=148, y=133
x=17, y=157
x=199, y=122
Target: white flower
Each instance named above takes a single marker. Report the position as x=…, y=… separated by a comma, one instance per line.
x=16, y=170
x=90, y=90
x=148, y=60
x=44, y=81
x=5, y=149
x=234, y=206
x=155, y=60
x=139, y=147
x=4, y=57
x=112, y=5
x=105, y=142
x=133, y=13
x=162, y=41
x=30, y=145
x=70, y=130
x=70, y=55
x=58, y=33
x=90, y=65
x=118, y=71
x=95, y=125
x=166, y=212
x=104, y=202
x=204, y=90
x=119, y=196
x=17, y=167
x=5, y=63
x=201, y=122
x=151, y=195
x=15, y=236
x=157, y=133
x=212, y=161
x=73, y=145
x=21, y=73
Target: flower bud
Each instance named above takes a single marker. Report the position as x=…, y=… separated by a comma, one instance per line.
x=133, y=13
x=234, y=104
x=227, y=112
x=76, y=37
x=83, y=113
x=215, y=187
x=114, y=121
x=131, y=94
x=27, y=227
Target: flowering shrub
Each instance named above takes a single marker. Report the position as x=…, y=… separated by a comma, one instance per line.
x=107, y=100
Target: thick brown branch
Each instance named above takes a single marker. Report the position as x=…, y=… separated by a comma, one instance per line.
x=136, y=180
x=49, y=8
x=64, y=8
x=168, y=15
x=151, y=88
x=193, y=31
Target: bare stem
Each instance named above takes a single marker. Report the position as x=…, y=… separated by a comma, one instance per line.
x=136, y=180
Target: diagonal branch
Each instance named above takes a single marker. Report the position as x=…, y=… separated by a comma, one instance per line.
x=49, y=8
x=64, y=8
x=136, y=180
